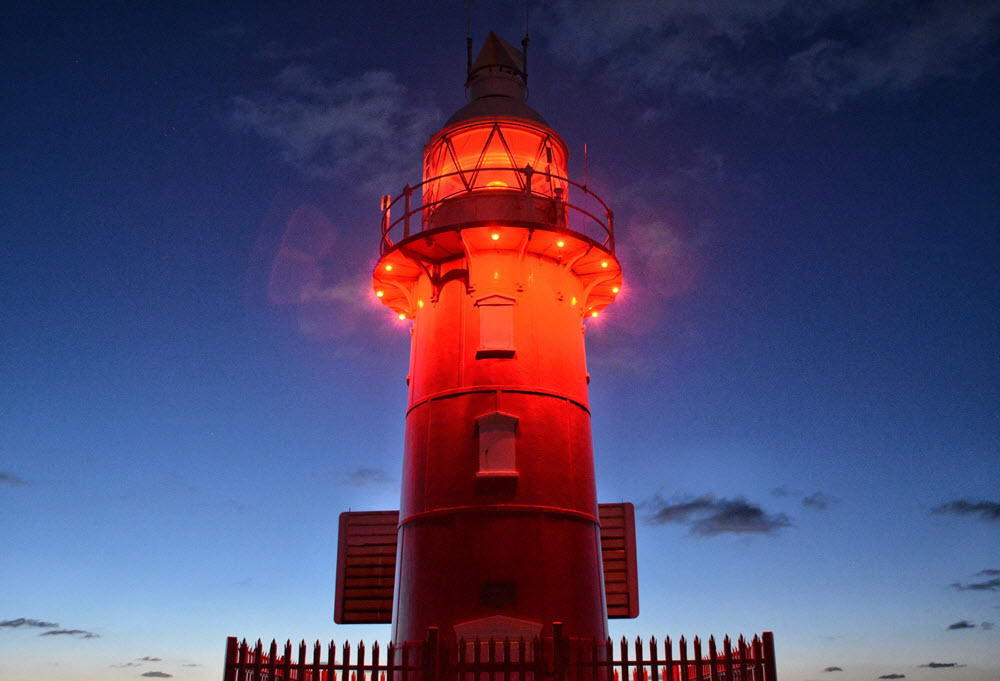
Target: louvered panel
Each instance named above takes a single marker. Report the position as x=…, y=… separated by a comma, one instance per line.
x=621, y=580
x=366, y=567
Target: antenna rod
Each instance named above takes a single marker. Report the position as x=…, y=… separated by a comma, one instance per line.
x=524, y=43
x=468, y=39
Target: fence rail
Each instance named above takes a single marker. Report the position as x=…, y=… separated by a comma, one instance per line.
x=557, y=658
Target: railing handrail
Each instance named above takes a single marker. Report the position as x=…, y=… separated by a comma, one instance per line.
x=408, y=210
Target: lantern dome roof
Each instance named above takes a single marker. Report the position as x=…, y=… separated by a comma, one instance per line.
x=497, y=84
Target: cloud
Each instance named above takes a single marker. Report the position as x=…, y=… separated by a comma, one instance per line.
x=150, y=659
x=826, y=53
x=369, y=129
x=367, y=476
x=125, y=665
x=833, y=669
x=893, y=676
x=941, y=665
x=70, y=632
x=707, y=516
x=961, y=624
x=23, y=622
x=308, y=274
x=818, y=501
x=11, y=480
x=158, y=675
x=986, y=585
x=986, y=510
x=986, y=626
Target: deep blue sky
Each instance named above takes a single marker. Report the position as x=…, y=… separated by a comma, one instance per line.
x=799, y=387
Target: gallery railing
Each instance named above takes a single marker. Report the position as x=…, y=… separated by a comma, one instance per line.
x=601, y=229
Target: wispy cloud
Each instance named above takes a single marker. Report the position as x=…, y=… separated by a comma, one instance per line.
x=369, y=129
x=707, y=516
x=150, y=659
x=987, y=626
x=25, y=622
x=363, y=477
x=986, y=510
x=818, y=501
x=301, y=276
x=985, y=585
x=158, y=675
x=81, y=633
x=823, y=52
x=893, y=676
x=833, y=669
x=11, y=480
x=961, y=624
x=942, y=665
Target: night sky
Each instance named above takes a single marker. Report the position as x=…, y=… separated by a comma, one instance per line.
x=798, y=387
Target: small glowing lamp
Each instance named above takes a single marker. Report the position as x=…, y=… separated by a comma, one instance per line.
x=560, y=243
x=380, y=293
x=496, y=183
x=573, y=302
x=402, y=315
x=615, y=289
x=495, y=235
x=604, y=264
x=594, y=313
x=388, y=268
x=420, y=303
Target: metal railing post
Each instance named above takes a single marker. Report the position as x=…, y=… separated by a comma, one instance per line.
x=611, y=229
x=407, y=192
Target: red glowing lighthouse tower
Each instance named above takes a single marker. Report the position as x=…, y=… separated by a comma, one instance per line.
x=496, y=259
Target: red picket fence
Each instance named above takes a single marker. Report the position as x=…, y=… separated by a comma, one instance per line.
x=550, y=659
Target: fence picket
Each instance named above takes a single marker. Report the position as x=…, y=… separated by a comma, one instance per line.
x=558, y=658
x=758, y=662
x=744, y=667
x=272, y=662
x=713, y=659
x=682, y=647
x=698, y=661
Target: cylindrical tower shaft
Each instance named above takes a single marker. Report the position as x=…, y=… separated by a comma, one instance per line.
x=498, y=529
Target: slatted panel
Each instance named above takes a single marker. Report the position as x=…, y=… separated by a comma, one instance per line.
x=366, y=564
x=366, y=567
x=621, y=579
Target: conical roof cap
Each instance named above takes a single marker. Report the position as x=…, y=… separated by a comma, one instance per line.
x=499, y=54
x=497, y=84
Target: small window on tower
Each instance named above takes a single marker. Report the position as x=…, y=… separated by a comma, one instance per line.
x=496, y=327
x=497, y=435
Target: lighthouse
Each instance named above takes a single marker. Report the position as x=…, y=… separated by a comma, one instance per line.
x=496, y=260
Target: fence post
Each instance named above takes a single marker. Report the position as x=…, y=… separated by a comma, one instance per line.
x=431, y=665
x=770, y=668
x=231, y=648
x=559, y=650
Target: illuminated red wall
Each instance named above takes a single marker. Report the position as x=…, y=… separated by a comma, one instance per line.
x=499, y=532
